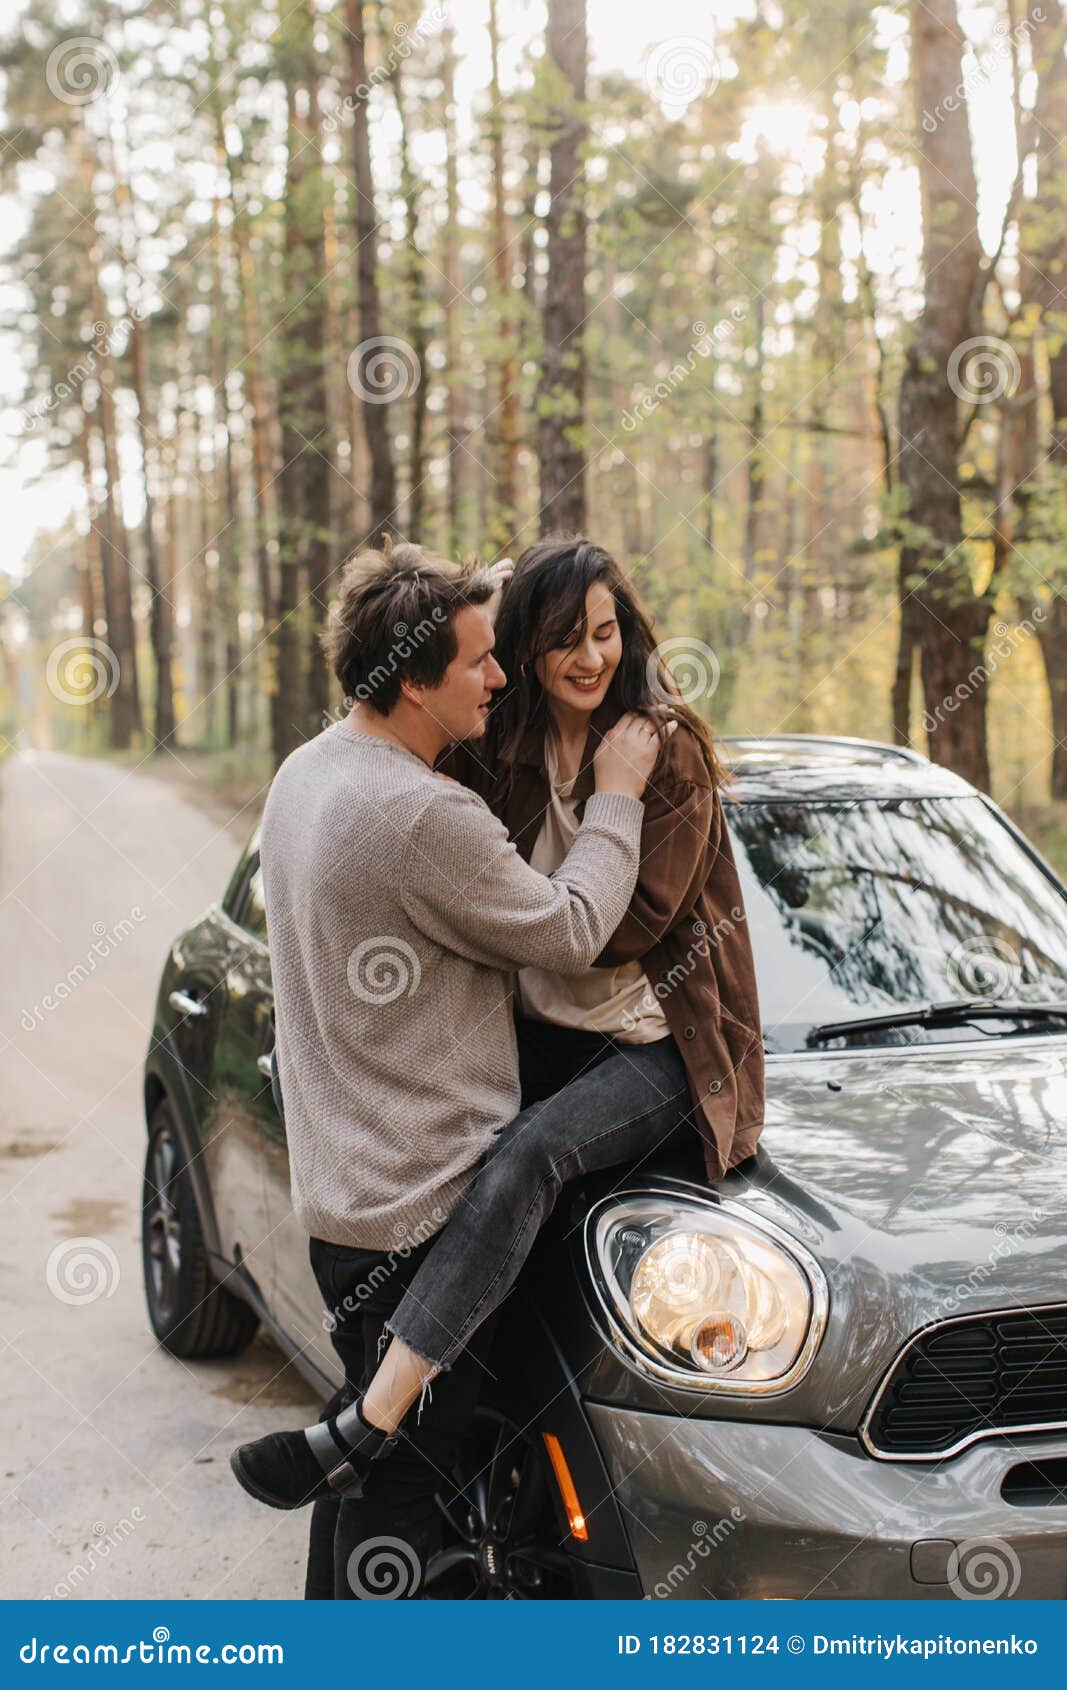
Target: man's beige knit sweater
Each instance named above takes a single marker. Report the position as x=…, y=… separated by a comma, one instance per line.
x=396, y=909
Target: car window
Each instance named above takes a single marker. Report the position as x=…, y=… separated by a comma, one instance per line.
x=252, y=913
x=859, y=907
x=234, y=893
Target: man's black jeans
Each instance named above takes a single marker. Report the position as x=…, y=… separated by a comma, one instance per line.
x=380, y=1543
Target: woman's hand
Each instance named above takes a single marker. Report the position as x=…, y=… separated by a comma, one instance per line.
x=501, y=573
x=627, y=754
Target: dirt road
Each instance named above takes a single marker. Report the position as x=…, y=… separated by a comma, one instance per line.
x=113, y=1455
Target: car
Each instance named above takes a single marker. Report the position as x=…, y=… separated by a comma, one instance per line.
x=877, y=1406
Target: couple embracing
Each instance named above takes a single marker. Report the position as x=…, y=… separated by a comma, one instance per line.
x=508, y=948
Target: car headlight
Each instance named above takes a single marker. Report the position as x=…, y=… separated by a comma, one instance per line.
x=701, y=1293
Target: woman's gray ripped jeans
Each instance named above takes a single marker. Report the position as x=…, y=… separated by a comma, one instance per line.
x=630, y=1101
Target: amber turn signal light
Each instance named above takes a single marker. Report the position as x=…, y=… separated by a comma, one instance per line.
x=571, y=1506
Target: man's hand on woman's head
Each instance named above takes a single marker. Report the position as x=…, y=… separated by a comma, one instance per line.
x=501, y=572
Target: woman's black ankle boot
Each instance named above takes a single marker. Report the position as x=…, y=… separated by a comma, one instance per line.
x=330, y=1458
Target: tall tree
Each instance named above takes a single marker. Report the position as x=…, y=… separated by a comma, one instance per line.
x=561, y=400
x=375, y=417
x=505, y=432
x=300, y=352
x=1043, y=310
x=451, y=299
x=935, y=564
x=414, y=277
x=118, y=593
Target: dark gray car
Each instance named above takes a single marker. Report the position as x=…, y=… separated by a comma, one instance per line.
x=886, y=1279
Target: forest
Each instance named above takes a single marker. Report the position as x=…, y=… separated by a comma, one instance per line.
x=774, y=310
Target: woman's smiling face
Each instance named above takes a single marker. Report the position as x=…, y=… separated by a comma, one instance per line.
x=579, y=674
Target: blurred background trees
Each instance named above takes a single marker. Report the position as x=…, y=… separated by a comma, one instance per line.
x=776, y=313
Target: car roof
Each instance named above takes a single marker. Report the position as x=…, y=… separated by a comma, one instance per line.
x=833, y=766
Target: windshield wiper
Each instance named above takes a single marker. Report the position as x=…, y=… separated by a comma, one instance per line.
x=944, y=1014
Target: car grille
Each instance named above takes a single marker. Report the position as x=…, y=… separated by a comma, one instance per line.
x=971, y=1378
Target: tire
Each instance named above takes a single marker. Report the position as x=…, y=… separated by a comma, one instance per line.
x=190, y=1312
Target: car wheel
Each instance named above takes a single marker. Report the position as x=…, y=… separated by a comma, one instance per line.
x=501, y=1536
x=191, y=1313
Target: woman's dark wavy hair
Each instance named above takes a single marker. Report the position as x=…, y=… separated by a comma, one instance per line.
x=542, y=608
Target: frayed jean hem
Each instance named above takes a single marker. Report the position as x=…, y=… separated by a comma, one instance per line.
x=439, y=1367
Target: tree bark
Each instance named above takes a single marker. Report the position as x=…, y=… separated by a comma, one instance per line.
x=318, y=445
x=160, y=609
x=561, y=405
x=258, y=393
x=375, y=420
x=289, y=697
x=415, y=282
x=450, y=271
x=505, y=432
x=952, y=617
x=118, y=595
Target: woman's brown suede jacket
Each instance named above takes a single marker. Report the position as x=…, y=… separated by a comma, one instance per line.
x=686, y=923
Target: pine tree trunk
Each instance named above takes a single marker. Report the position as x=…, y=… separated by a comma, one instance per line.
x=118, y=596
x=450, y=270
x=1043, y=273
x=318, y=448
x=755, y=473
x=257, y=390
x=1052, y=632
x=562, y=394
x=289, y=699
x=415, y=284
x=160, y=609
x=952, y=617
x=227, y=537
x=506, y=420
x=375, y=420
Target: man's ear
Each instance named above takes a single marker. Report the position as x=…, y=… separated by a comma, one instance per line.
x=412, y=693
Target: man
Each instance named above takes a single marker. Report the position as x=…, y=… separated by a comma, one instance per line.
x=396, y=908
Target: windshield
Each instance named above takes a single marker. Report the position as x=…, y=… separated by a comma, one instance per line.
x=857, y=908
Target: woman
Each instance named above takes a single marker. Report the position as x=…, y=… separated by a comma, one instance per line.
x=668, y=1018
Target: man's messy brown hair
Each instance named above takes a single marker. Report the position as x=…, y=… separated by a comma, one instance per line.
x=393, y=620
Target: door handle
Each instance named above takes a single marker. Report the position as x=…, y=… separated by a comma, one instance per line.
x=187, y=1005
